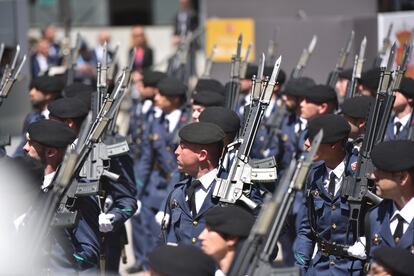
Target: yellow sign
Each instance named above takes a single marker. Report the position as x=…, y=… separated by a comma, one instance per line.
x=224, y=33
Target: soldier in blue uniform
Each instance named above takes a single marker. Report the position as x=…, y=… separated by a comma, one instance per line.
x=76, y=249
x=245, y=88
x=157, y=167
x=400, y=123
x=43, y=90
x=198, y=156
x=324, y=219
x=142, y=111
x=120, y=195
x=391, y=222
x=226, y=229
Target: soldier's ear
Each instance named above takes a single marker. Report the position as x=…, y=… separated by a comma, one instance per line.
x=202, y=155
x=403, y=178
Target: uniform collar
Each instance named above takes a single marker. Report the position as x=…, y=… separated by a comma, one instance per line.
x=173, y=119
x=338, y=170
x=208, y=178
x=407, y=212
x=47, y=180
x=404, y=120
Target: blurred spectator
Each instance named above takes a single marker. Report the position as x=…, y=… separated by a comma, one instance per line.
x=143, y=58
x=40, y=62
x=49, y=34
x=86, y=65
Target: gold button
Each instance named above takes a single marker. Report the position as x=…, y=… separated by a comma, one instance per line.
x=333, y=243
x=195, y=222
x=334, y=207
x=333, y=226
x=193, y=240
x=332, y=263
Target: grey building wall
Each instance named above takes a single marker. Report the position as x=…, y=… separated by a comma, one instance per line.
x=331, y=20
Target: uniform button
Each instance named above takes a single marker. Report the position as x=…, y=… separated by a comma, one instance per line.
x=193, y=240
x=195, y=222
x=332, y=263
x=334, y=207
x=333, y=243
x=333, y=226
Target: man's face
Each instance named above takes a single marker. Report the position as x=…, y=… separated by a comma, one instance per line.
x=340, y=87
x=197, y=109
x=387, y=183
x=245, y=86
x=291, y=102
x=308, y=110
x=187, y=158
x=213, y=244
x=37, y=98
x=364, y=91
x=323, y=151
x=400, y=102
x=35, y=150
x=353, y=122
x=165, y=103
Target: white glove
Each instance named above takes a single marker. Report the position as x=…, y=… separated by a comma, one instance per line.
x=358, y=249
x=108, y=203
x=159, y=217
x=139, y=204
x=105, y=222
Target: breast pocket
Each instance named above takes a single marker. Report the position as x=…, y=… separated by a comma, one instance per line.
x=175, y=224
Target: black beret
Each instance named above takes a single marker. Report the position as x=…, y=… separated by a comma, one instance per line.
x=370, y=79
x=251, y=70
x=67, y=108
x=393, y=156
x=209, y=84
x=51, y=133
x=230, y=220
x=346, y=74
x=335, y=128
x=226, y=119
x=80, y=91
x=201, y=133
x=357, y=107
x=152, y=78
x=320, y=94
x=208, y=98
x=398, y=261
x=407, y=87
x=297, y=87
x=49, y=84
x=183, y=260
x=170, y=86
x=281, y=77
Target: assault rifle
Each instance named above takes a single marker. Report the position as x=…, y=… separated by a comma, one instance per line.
x=390, y=96
x=67, y=214
x=386, y=43
x=357, y=70
x=243, y=65
x=343, y=55
x=241, y=174
x=71, y=60
x=304, y=58
x=357, y=189
x=209, y=63
x=233, y=87
x=10, y=73
x=257, y=252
